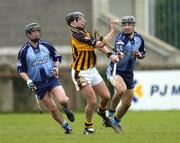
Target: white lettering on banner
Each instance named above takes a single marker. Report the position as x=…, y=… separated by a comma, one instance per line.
x=156, y=90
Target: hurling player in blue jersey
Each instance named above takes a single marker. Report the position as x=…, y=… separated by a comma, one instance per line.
x=130, y=44
x=38, y=64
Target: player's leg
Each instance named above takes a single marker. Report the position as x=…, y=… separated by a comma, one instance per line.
x=121, y=109
x=125, y=103
x=61, y=97
x=102, y=90
x=82, y=81
x=120, y=89
x=90, y=96
x=55, y=113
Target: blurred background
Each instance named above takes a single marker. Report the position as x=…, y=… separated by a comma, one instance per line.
x=157, y=77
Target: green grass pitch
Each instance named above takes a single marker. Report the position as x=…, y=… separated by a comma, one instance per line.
x=139, y=127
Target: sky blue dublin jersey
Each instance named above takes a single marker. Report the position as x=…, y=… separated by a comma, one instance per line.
x=37, y=62
x=128, y=47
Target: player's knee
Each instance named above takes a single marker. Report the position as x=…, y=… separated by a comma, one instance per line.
x=53, y=109
x=91, y=106
x=64, y=101
x=121, y=91
x=92, y=102
x=126, y=104
x=106, y=96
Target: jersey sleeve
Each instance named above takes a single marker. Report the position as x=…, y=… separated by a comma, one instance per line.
x=54, y=54
x=120, y=42
x=21, y=63
x=84, y=38
x=142, y=47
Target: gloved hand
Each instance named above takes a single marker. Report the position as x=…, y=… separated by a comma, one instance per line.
x=55, y=71
x=31, y=85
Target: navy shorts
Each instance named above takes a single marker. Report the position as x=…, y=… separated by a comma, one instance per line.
x=47, y=85
x=128, y=78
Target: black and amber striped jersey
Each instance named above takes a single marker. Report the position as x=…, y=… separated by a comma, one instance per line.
x=83, y=46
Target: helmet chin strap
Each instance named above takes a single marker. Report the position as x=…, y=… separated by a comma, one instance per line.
x=75, y=25
x=78, y=28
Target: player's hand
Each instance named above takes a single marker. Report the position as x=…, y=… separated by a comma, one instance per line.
x=55, y=71
x=31, y=85
x=114, y=58
x=121, y=55
x=97, y=35
x=138, y=54
x=114, y=22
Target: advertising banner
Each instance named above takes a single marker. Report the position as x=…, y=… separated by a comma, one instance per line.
x=156, y=90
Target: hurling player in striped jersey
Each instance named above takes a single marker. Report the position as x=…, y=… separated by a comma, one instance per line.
x=84, y=73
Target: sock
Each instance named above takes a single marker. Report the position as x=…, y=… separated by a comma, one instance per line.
x=102, y=110
x=65, y=125
x=88, y=124
x=66, y=110
x=111, y=113
x=115, y=121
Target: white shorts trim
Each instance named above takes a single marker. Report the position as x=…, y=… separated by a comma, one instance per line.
x=91, y=75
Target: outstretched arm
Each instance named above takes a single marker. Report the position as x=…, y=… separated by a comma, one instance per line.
x=108, y=38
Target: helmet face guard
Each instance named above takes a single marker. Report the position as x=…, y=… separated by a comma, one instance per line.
x=32, y=27
x=128, y=19
x=73, y=16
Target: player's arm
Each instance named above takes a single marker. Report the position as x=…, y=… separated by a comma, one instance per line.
x=57, y=58
x=22, y=70
x=92, y=40
x=109, y=54
x=29, y=82
x=55, y=70
x=82, y=37
x=109, y=37
x=140, y=53
x=22, y=65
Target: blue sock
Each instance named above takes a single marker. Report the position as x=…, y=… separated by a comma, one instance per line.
x=111, y=113
x=65, y=125
x=116, y=121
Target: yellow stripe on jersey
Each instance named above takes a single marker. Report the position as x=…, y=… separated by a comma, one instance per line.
x=83, y=55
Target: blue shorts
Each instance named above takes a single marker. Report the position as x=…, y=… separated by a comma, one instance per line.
x=128, y=78
x=48, y=85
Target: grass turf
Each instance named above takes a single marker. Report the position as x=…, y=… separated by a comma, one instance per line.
x=139, y=127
